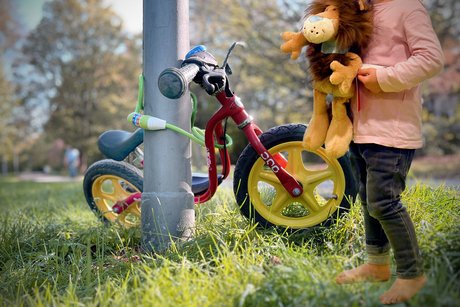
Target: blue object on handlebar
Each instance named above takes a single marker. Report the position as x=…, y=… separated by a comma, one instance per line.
x=195, y=50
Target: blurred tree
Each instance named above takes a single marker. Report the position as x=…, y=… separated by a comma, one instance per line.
x=84, y=72
x=8, y=102
x=8, y=26
x=274, y=89
x=6, y=120
x=442, y=93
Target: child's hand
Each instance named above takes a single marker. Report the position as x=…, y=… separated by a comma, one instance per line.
x=368, y=78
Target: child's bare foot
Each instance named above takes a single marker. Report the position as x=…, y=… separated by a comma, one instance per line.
x=365, y=272
x=402, y=290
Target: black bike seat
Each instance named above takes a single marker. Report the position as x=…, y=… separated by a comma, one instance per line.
x=200, y=182
x=117, y=144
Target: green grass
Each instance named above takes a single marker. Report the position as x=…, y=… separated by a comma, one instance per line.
x=53, y=251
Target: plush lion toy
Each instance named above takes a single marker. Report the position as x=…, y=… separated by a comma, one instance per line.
x=334, y=31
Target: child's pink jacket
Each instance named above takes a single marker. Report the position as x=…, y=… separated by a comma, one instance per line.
x=407, y=49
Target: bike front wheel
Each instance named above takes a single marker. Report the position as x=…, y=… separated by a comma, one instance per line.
x=107, y=182
x=328, y=184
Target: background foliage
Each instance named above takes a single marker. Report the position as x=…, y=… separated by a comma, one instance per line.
x=75, y=75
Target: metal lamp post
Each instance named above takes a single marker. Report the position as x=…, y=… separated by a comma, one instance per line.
x=167, y=200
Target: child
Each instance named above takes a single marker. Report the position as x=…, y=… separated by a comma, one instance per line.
x=403, y=51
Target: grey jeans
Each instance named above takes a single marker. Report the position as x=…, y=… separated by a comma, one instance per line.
x=382, y=175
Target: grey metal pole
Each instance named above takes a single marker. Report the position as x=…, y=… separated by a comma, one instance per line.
x=167, y=200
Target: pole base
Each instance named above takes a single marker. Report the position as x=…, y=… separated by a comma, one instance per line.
x=163, y=225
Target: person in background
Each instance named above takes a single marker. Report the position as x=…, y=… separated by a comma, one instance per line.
x=387, y=112
x=72, y=160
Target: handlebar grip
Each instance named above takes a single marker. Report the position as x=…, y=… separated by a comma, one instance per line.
x=173, y=82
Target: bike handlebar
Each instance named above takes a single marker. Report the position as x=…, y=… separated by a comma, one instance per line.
x=199, y=66
x=173, y=82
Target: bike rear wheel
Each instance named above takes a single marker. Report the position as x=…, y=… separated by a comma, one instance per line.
x=108, y=181
x=328, y=183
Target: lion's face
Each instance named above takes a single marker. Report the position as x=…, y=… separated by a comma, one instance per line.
x=347, y=22
x=322, y=27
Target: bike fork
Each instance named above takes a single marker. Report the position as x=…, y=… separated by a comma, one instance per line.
x=276, y=163
x=122, y=205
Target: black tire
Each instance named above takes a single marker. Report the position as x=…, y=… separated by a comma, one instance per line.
x=278, y=136
x=124, y=178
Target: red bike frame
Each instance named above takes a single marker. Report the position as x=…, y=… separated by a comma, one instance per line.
x=232, y=107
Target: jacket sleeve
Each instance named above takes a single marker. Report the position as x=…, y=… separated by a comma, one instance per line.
x=426, y=57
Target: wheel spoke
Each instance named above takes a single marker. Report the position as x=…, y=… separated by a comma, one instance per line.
x=270, y=178
x=121, y=218
x=133, y=209
x=130, y=216
x=280, y=201
x=316, y=177
x=107, y=212
x=309, y=200
x=117, y=188
x=104, y=196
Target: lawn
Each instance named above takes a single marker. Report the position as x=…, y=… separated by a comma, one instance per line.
x=54, y=251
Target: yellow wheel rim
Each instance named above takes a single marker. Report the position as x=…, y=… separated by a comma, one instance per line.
x=107, y=190
x=323, y=185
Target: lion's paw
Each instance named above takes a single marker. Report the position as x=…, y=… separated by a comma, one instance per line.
x=339, y=73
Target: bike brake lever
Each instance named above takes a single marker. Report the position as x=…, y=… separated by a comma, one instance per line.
x=213, y=81
x=207, y=85
x=228, y=69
